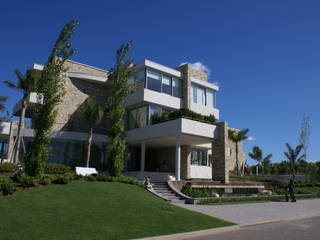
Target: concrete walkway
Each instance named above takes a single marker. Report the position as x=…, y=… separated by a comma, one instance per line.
x=258, y=212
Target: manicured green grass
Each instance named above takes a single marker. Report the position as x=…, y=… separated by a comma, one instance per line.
x=94, y=210
x=311, y=189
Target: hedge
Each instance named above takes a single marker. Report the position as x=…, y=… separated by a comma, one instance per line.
x=6, y=167
x=277, y=198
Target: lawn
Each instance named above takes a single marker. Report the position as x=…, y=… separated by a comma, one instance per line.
x=94, y=210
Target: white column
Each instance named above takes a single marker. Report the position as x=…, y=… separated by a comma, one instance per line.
x=143, y=154
x=178, y=158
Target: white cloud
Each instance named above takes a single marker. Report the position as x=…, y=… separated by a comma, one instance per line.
x=200, y=67
x=250, y=138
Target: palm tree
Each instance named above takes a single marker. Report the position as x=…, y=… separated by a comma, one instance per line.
x=27, y=83
x=257, y=155
x=2, y=106
x=237, y=136
x=93, y=113
x=293, y=157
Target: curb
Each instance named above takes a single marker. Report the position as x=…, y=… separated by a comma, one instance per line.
x=223, y=229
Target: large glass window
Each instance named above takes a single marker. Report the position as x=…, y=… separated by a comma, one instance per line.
x=153, y=80
x=194, y=157
x=132, y=119
x=154, y=110
x=203, y=96
x=137, y=118
x=210, y=95
x=199, y=157
x=200, y=96
x=166, y=84
x=176, y=87
x=142, y=117
x=140, y=79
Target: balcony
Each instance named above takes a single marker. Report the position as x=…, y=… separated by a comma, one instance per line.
x=204, y=110
x=32, y=102
x=148, y=96
x=191, y=132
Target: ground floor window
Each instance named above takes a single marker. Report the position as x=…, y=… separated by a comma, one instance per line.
x=199, y=157
x=73, y=152
x=3, y=150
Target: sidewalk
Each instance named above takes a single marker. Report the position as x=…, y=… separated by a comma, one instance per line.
x=248, y=215
x=258, y=212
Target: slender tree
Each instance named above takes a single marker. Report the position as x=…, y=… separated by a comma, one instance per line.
x=305, y=134
x=93, y=113
x=237, y=136
x=257, y=155
x=3, y=100
x=52, y=90
x=26, y=83
x=119, y=90
x=294, y=158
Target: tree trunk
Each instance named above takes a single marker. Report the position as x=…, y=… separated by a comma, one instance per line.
x=89, y=147
x=237, y=159
x=20, y=127
x=262, y=169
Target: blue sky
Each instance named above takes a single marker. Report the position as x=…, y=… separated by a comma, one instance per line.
x=264, y=55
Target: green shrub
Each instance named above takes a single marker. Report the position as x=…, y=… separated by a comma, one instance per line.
x=6, y=167
x=63, y=179
x=56, y=168
x=46, y=179
x=182, y=113
x=197, y=192
x=7, y=186
x=78, y=177
x=90, y=178
x=25, y=181
x=102, y=177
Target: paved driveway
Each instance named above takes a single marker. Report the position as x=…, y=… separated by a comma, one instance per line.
x=258, y=212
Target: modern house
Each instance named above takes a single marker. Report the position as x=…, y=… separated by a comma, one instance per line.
x=185, y=148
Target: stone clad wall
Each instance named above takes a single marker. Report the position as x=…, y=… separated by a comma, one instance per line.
x=186, y=84
x=187, y=72
x=69, y=118
x=185, y=162
x=198, y=74
x=220, y=171
x=224, y=154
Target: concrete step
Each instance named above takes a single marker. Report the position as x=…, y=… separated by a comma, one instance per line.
x=161, y=188
x=160, y=185
x=168, y=194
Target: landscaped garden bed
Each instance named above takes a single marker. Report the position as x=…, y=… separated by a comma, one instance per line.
x=245, y=189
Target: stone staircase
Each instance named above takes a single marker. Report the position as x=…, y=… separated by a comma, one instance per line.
x=162, y=189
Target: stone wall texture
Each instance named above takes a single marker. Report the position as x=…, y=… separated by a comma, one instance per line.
x=224, y=154
x=185, y=162
x=69, y=117
x=220, y=171
x=187, y=72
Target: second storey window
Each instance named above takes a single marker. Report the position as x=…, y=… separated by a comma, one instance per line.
x=154, y=80
x=159, y=82
x=166, y=84
x=203, y=96
x=176, y=87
